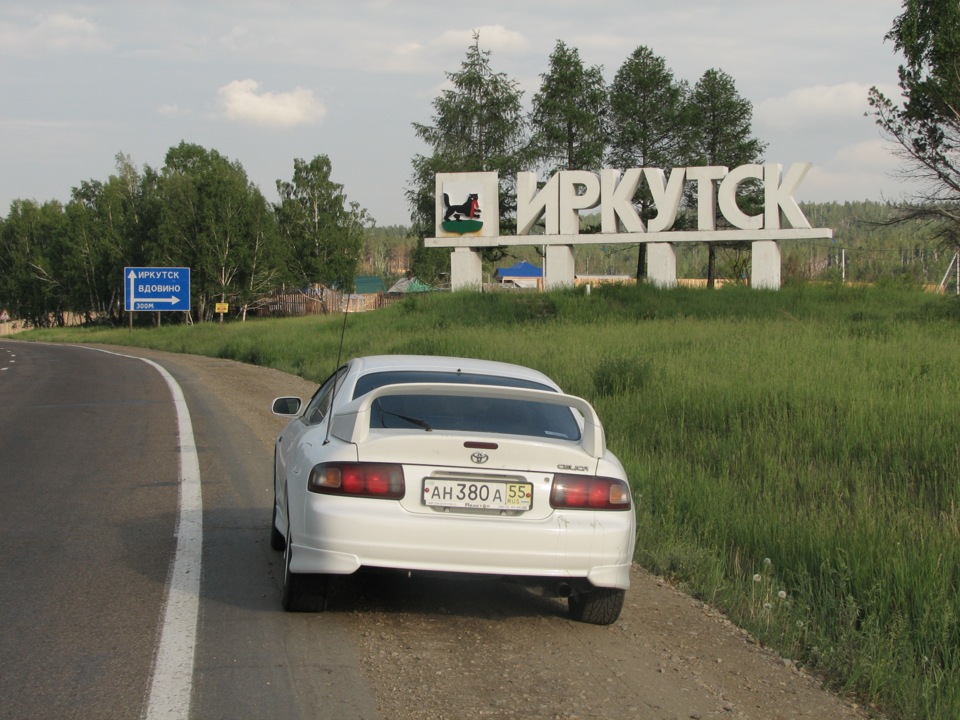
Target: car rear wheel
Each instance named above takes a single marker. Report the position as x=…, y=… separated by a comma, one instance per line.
x=302, y=592
x=598, y=606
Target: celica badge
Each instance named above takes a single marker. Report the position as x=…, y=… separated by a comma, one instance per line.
x=479, y=458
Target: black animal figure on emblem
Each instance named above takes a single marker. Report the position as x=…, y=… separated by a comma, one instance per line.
x=470, y=208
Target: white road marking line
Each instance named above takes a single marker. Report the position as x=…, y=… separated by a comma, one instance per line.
x=172, y=679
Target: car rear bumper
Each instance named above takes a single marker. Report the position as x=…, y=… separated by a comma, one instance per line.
x=341, y=535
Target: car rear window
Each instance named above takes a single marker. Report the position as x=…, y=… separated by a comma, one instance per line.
x=488, y=415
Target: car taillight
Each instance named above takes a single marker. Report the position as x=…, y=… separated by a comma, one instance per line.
x=374, y=480
x=582, y=492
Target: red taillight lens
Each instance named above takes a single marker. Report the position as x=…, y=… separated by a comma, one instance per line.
x=374, y=480
x=581, y=492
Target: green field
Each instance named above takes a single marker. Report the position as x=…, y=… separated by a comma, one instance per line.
x=795, y=454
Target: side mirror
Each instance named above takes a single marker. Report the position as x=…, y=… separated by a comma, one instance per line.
x=286, y=406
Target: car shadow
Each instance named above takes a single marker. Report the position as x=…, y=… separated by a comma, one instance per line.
x=241, y=570
x=397, y=592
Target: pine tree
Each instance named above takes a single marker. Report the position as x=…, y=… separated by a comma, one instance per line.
x=569, y=114
x=478, y=125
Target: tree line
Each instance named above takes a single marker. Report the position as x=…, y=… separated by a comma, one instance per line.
x=199, y=211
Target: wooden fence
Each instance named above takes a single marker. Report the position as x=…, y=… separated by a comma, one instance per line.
x=285, y=303
x=318, y=301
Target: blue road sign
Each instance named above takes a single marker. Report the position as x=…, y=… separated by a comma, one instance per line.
x=154, y=289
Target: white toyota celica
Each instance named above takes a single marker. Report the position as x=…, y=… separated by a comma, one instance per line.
x=451, y=465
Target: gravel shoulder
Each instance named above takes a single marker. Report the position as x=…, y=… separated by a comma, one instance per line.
x=451, y=649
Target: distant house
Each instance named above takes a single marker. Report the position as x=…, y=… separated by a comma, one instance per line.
x=367, y=294
x=523, y=274
x=368, y=285
x=409, y=285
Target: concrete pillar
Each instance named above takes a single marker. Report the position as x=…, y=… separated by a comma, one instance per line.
x=765, y=265
x=466, y=269
x=662, y=264
x=560, y=267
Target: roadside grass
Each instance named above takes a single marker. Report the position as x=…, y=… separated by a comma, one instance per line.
x=795, y=454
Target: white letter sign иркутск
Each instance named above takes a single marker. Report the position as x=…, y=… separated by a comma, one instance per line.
x=561, y=199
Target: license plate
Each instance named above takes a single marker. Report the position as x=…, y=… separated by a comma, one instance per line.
x=478, y=495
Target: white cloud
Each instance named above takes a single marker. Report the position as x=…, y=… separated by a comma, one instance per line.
x=816, y=107
x=872, y=156
x=59, y=32
x=438, y=53
x=495, y=38
x=172, y=110
x=859, y=171
x=240, y=102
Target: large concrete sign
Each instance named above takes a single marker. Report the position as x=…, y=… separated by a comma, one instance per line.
x=468, y=211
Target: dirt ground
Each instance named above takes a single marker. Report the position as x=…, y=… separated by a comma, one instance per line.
x=451, y=649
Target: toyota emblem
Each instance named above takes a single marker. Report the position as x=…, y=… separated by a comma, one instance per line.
x=479, y=458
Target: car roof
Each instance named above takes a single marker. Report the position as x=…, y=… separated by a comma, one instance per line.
x=439, y=363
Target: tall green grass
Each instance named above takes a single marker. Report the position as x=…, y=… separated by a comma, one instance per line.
x=795, y=454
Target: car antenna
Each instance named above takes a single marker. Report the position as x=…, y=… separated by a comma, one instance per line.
x=336, y=369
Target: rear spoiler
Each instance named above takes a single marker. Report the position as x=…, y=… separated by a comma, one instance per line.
x=352, y=423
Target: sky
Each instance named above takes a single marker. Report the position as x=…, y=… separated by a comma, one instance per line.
x=264, y=83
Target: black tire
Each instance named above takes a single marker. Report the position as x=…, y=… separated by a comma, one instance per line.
x=301, y=592
x=277, y=540
x=599, y=606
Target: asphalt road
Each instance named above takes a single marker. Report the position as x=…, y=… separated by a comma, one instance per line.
x=89, y=491
x=89, y=472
